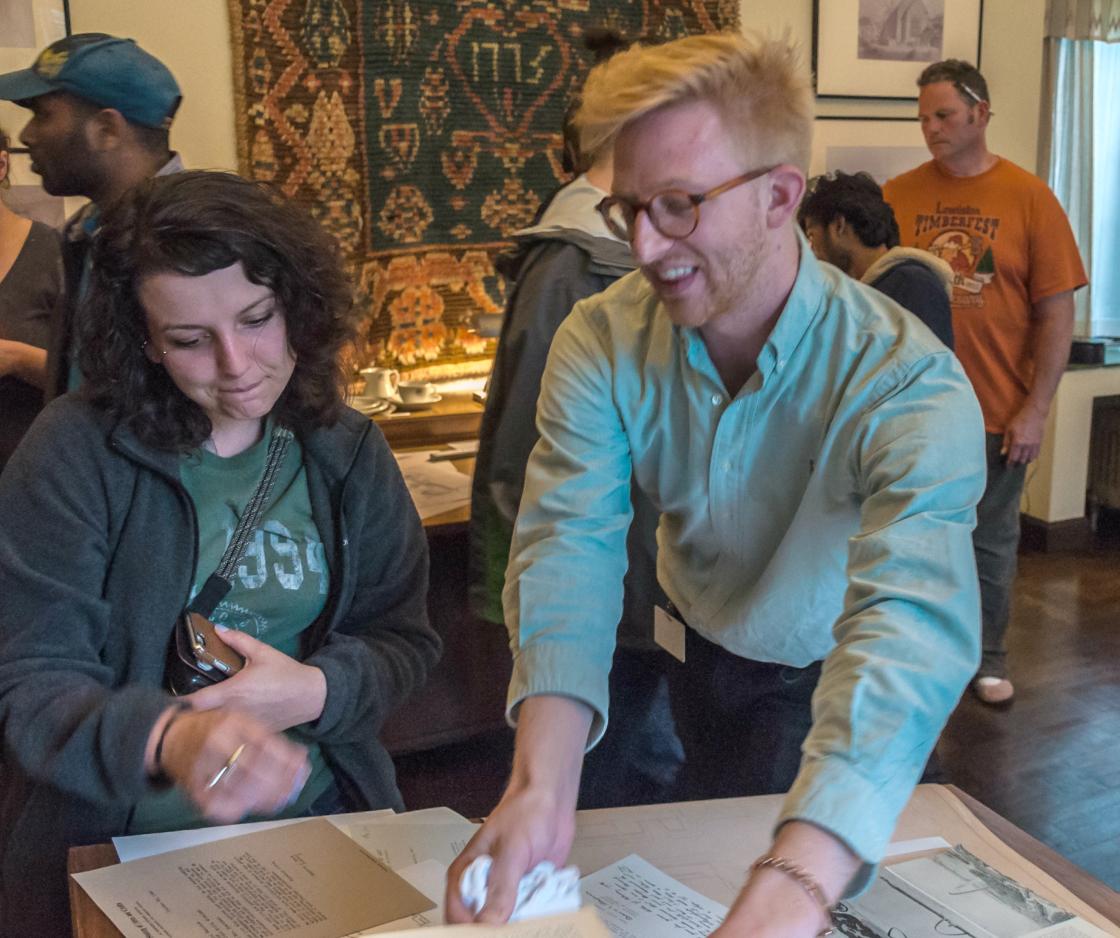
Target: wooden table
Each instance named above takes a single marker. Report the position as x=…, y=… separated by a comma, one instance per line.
x=455, y=417
x=741, y=826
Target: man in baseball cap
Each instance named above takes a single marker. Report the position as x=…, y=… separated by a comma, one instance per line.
x=100, y=109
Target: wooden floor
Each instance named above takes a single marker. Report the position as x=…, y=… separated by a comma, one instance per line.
x=1050, y=763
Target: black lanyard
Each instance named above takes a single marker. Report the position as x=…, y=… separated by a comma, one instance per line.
x=218, y=584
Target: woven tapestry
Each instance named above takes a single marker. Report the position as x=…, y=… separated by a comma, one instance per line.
x=422, y=134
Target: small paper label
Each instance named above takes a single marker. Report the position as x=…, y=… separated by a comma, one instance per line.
x=668, y=632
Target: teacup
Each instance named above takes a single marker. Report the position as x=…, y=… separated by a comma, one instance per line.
x=381, y=382
x=416, y=392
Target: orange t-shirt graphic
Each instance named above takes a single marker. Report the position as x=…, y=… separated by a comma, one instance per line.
x=1009, y=244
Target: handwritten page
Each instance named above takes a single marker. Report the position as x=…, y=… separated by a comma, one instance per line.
x=637, y=900
x=403, y=840
x=582, y=924
x=305, y=880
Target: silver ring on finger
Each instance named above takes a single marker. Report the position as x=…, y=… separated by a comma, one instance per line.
x=227, y=768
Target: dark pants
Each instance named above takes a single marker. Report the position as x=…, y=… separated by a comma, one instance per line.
x=996, y=542
x=639, y=756
x=741, y=722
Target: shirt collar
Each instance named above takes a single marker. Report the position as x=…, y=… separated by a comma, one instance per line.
x=805, y=302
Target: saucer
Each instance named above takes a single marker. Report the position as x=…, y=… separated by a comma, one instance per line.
x=373, y=406
x=424, y=404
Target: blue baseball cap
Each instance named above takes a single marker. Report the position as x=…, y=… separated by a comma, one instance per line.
x=109, y=71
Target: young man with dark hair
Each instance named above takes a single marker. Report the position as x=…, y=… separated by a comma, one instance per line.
x=1015, y=268
x=101, y=108
x=850, y=226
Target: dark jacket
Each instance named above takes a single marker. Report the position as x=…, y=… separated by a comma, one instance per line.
x=567, y=256
x=920, y=282
x=98, y=545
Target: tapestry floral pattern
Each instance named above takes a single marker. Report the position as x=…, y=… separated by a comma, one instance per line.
x=422, y=134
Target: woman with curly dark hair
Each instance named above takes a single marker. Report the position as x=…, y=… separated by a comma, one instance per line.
x=209, y=464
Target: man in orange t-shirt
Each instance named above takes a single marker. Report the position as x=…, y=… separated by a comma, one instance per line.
x=1015, y=266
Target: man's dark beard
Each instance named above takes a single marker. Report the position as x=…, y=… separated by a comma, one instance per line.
x=71, y=169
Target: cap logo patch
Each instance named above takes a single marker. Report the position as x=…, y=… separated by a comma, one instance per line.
x=50, y=62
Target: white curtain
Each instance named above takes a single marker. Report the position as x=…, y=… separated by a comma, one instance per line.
x=1105, y=266
x=1079, y=145
x=1067, y=151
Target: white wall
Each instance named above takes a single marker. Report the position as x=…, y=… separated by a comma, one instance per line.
x=193, y=38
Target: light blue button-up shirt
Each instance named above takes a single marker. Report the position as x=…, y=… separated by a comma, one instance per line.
x=823, y=512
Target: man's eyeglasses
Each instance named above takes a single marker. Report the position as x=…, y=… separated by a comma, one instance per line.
x=673, y=212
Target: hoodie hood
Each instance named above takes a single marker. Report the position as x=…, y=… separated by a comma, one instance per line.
x=572, y=216
x=900, y=255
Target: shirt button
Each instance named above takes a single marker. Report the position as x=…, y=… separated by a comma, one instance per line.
x=717, y=399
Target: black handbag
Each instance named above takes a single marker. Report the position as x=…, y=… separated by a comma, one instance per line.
x=196, y=655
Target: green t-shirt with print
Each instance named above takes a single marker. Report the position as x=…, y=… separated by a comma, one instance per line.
x=279, y=588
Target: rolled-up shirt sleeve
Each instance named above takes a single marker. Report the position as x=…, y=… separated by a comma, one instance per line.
x=563, y=594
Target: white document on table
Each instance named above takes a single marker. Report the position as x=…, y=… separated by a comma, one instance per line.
x=435, y=487
x=403, y=840
x=637, y=900
x=306, y=880
x=582, y=924
x=137, y=846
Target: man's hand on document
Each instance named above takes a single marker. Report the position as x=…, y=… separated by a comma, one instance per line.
x=535, y=820
x=774, y=904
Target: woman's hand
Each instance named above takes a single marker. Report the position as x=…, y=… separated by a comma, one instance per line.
x=267, y=774
x=273, y=687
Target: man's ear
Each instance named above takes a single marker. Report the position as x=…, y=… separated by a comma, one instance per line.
x=787, y=186
x=838, y=226
x=107, y=130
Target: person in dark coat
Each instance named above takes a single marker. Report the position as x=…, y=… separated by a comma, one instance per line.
x=567, y=255
x=851, y=226
x=220, y=316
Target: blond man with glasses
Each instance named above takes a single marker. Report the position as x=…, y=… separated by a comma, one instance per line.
x=816, y=457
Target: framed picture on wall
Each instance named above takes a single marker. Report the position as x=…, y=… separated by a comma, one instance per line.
x=881, y=148
x=878, y=48
x=26, y=26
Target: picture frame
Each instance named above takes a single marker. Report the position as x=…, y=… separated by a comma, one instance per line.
x=26, y=26
x=884, y=148
x=876, y=49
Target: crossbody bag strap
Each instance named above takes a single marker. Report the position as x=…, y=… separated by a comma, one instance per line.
x=218, y=584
